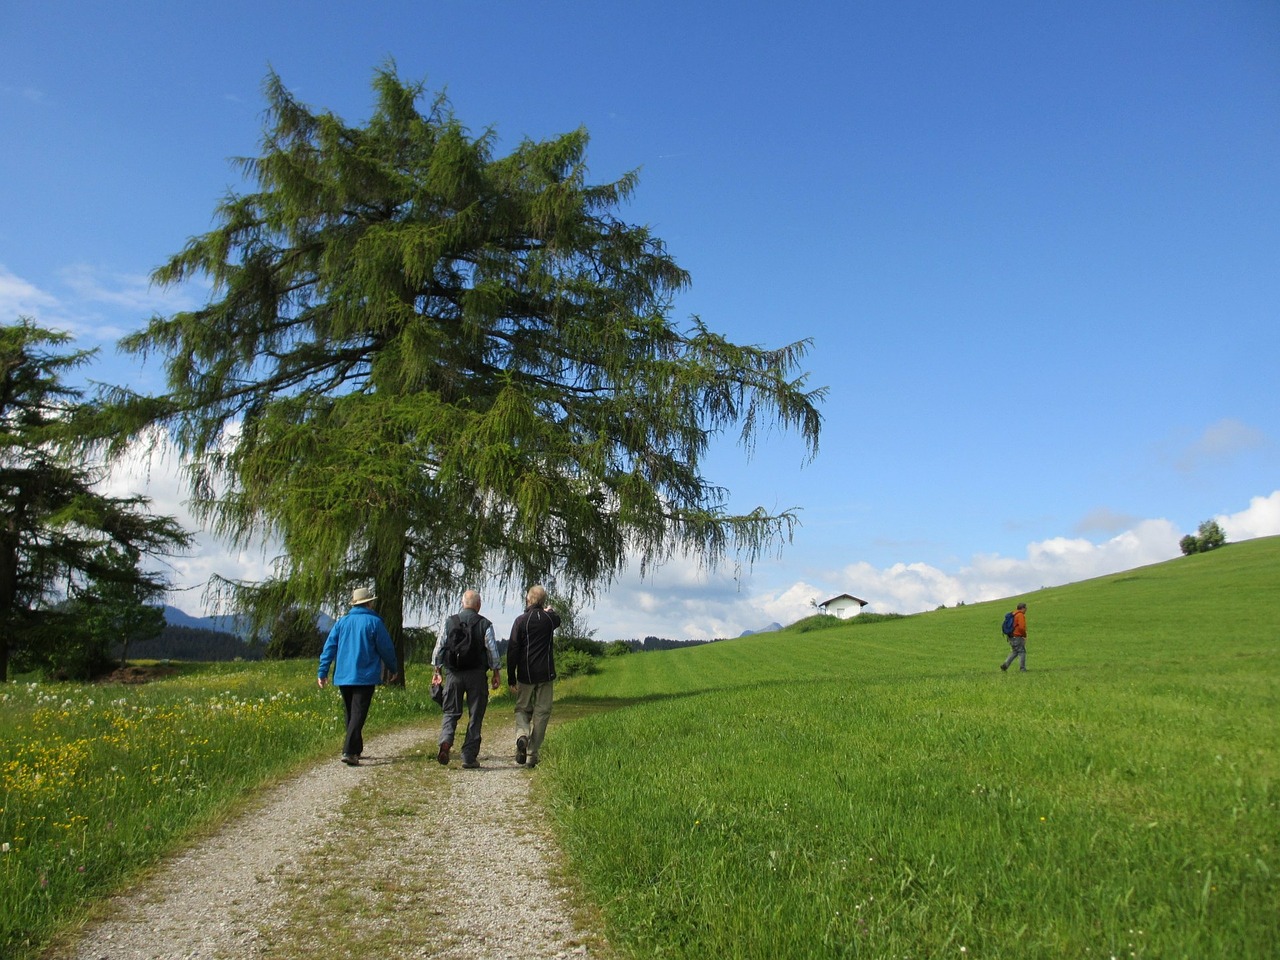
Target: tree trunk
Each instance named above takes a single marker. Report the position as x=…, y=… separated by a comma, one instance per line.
x=389, y=584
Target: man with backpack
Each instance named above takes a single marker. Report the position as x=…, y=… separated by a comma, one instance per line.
x=466, y=646
x=1016, y=633
x=531, y=671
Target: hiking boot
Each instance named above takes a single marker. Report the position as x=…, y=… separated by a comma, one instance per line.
x=443, y=755
x=1004, y=666
x=470, y=764
x=350, y=761
x=522, y=750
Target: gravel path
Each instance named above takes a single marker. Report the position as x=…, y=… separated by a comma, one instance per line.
x=396, y=858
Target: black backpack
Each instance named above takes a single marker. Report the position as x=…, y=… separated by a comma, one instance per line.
x=461, y=645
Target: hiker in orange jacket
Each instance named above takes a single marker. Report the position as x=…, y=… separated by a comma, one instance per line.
x=1018, y=639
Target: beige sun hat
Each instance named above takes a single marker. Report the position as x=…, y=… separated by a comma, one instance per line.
x=362, y=595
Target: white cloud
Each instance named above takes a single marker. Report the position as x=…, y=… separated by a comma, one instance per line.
x=154, y=471
x=1260, y=519
x=912, y=588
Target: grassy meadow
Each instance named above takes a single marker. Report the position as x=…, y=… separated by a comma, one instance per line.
x=845, y=789
x=838, y=789
x=96, y=782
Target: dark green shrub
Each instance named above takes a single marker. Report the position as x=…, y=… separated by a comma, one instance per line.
x=572, y=663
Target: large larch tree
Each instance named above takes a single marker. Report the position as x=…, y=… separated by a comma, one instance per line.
x=426, y=366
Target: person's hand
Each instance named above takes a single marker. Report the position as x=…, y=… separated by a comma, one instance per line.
x=320, y=682
x=496, y=681
x=515, y=689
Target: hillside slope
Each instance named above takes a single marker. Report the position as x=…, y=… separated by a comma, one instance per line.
x=882, y=789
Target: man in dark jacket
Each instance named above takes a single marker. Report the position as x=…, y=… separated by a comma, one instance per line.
x=360, y=651
x=466, y=679
x=531, y=672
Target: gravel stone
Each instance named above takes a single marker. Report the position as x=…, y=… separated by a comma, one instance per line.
x=413, y=877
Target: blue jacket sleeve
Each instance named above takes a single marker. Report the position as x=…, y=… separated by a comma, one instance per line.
x=329, y=653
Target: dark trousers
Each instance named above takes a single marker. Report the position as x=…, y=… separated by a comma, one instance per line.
x=355, y=704
x=471, y=686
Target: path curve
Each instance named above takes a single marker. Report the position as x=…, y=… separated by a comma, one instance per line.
x=342, y=856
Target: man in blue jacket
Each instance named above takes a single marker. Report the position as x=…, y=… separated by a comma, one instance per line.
x=358, y=647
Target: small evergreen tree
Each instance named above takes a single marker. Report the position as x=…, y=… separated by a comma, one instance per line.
x=60, y=540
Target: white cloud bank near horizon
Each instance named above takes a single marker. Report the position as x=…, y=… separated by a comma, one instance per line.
x=698, y=605
x=682, y=601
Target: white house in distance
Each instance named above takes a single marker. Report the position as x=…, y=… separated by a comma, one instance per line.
x=844, y=606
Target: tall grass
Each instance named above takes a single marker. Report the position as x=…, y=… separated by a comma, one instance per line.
x=883, y=790
x=96, y=782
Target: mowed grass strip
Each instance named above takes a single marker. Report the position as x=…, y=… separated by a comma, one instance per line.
x=883, y=790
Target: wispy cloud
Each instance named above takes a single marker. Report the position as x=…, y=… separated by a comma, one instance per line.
x=1104, y=520
x=1220, y=441
x=29, y=94
x=21, y=298
x=130, y=291
x=91, y=303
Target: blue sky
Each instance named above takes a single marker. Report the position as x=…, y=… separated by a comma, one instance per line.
x=1035, y=247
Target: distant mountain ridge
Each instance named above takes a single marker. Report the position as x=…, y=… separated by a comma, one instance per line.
x=235, y=625
x=769, y=629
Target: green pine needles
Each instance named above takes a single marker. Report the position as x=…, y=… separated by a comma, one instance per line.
x=423, y=364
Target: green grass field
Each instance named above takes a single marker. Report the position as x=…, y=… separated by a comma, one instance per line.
x=839, y=789
x=97, y=782
x=883, y=790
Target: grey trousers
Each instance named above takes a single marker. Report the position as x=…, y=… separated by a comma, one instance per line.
x=471, y=686
x=1019, y=652
x=533, y=710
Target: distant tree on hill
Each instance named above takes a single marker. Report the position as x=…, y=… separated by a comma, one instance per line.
x=423, y=364
x=1209, y=537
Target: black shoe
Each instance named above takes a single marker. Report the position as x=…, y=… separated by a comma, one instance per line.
x=350, y=761
x=522, y=749
x=1004, y=666
x=443, y=754
x=470, y=764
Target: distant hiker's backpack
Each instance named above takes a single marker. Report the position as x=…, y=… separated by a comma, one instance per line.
x=461, y=648
x=1007, y=627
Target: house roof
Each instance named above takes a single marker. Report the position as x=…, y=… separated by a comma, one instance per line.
x=844, y=596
